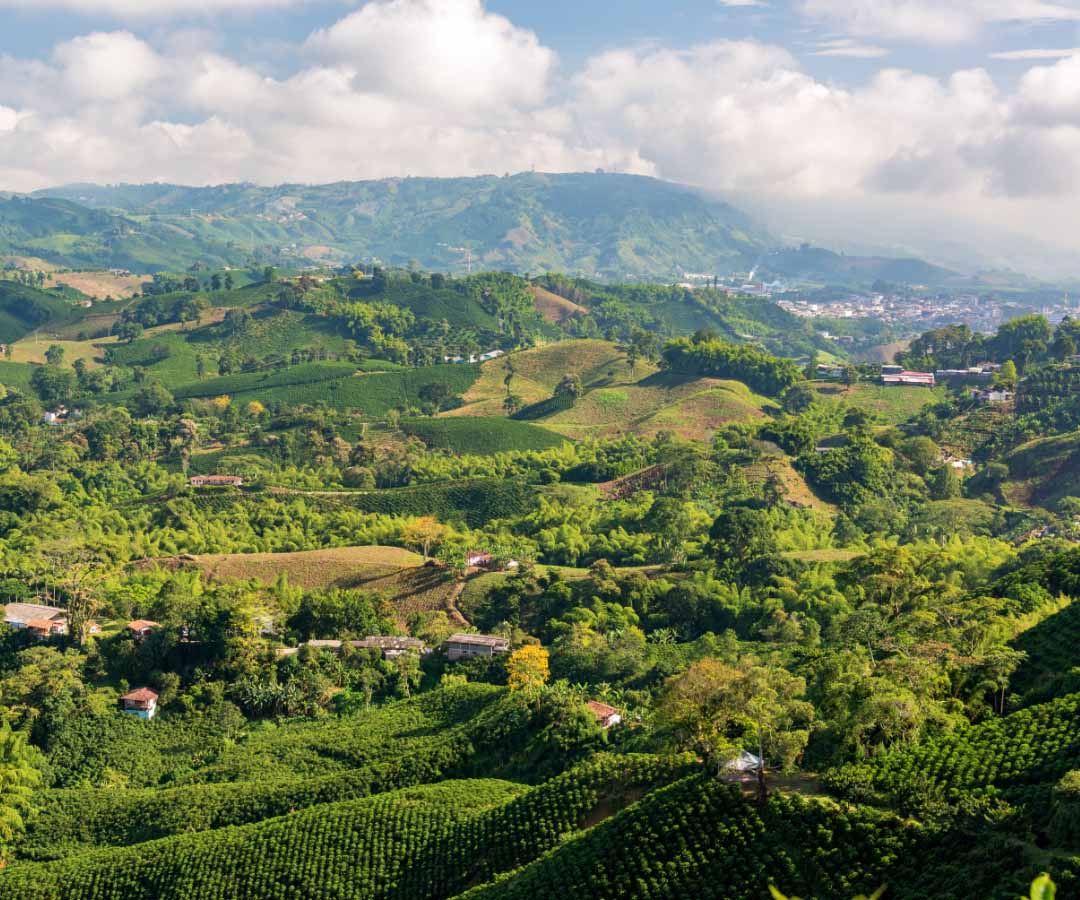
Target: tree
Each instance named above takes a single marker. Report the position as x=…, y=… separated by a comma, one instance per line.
x=798, y=399
x=200, y=367
x=129, y=332
x=669, y=521
x=151, y=400
x=1006, y=376
x=407, y=666
x=512, y=403
x=716, y=709
x=529, y=671
x=570, y=386
x=54, y=356
x=740, y=535
x=81, y=571
x=771, y=698
x=19, y=775
x=54, y=386
x=269, y=274
x=230, y=282
x=946, y=484
x=423, y=533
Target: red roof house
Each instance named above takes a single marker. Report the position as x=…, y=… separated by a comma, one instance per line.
x=606, y=715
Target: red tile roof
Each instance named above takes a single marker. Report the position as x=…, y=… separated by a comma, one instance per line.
x=602, y=710
x=140, y=695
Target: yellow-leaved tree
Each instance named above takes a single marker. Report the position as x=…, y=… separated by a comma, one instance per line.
x=529, y=671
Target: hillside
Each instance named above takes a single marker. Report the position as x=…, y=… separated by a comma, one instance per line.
x=24, y=309
x=69, y=234
x=616, y=400
x=1044, y=471
x=816, y=264
x=611, y=226
x=400, y=575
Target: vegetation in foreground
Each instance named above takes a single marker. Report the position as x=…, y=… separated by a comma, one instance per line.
x=864, y=599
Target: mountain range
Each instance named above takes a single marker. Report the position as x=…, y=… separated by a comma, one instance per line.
x=597, y=225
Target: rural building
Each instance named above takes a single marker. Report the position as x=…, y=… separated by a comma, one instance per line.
x=216, y=481
x=477, y=559
x=466, y=646
x=973, y=375
x=140, y=628
x=607, y=716
x=391, y=646
x=993, y=396
x=827, y=372
x=909, y=379
x=47, y=628
x=891, y=370
x=21, y=615
x=141, y=702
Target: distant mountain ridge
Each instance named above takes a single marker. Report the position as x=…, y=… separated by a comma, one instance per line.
x=598, y=225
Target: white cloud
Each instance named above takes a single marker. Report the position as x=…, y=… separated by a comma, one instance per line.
x=934, y=21
x=106, y=66
x=443, y=87
x=844, y=47
x=450, y=52
x=1035, y=53
x=147, y=9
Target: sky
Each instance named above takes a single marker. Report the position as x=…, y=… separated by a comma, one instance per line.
x=886, y=122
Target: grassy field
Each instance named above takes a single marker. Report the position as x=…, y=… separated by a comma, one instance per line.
x=31, y=349
x=100, y=284
x=553, y=307
x=16, y=375
x=616, y=400
x=793, y=485
x=891, y=405
x=473, y=434
x=1044, y=471
x=691, y=408
x=411, y=586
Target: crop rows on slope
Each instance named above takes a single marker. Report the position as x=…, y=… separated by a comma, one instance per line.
x=481, y=435
x=1032, y=746
x=409, y=845
x=701, y=839
x=477, y=502
x=207, y=784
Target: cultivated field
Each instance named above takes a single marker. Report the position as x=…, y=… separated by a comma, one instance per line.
x=553, y=307
x=891, y=405
x=401, y=575
x=100, y=284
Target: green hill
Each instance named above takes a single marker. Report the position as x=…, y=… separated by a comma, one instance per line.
x=24, y=309
x=1044, y=471
x=615, y=400
x=614, y=226
x=70, y=234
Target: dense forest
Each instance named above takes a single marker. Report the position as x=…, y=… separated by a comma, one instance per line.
x=374, y=582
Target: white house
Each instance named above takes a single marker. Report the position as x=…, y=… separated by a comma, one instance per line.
x=141, y=702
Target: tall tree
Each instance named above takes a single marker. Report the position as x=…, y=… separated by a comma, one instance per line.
x=19, y=776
